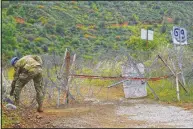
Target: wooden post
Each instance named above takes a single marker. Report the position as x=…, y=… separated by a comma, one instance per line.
x=70, y=78
x=67, y=62
x=67, y=66
x=177, y=88
x=62, y=68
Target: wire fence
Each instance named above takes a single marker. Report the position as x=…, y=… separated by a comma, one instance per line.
x=86, y=79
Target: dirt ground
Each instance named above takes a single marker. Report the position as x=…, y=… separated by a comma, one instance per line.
x=112, y=113
x=123, y=113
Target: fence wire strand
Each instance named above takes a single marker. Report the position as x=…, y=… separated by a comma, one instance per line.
x=108, y=65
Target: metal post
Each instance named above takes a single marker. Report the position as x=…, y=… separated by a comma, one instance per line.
x=180, y=64
x=58, y=99
x=177, y=88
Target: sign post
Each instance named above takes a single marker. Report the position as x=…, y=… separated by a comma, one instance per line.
x=179, y=37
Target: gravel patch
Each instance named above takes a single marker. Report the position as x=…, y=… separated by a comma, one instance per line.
x=158, y=114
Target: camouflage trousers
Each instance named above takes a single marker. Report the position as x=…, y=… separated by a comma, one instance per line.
x=24, y=78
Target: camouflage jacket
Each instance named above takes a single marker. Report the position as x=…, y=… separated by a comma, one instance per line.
x=26, y=64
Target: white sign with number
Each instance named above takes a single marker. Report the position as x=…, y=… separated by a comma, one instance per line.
x=146, y=34
x=179, y=36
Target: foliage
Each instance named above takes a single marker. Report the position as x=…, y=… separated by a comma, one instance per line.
x=88, y=27
x=166, y=91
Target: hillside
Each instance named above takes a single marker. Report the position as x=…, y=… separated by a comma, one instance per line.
x=89, y=28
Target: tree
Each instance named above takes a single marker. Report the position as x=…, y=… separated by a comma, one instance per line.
x=60, y=29
x=101, y=24
x=163, y=28
x=44, y=48
x=75, y=43
x=177, y=20
x=135, y=18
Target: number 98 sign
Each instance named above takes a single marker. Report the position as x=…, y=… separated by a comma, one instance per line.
x=179, y=35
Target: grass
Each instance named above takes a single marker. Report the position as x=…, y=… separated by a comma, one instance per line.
x=9, y=118
x=6, y=121
x=166, y=91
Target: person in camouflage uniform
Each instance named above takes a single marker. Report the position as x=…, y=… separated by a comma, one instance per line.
x=27, y=68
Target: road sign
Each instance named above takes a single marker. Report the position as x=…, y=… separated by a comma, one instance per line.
x=150, y=35
x=143, y=34
x=179, y=35
x=146, y=34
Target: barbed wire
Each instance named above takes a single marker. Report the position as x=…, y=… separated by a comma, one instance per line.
x=109, y=65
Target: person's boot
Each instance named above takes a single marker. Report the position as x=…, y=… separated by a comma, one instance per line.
x=40, y=108
x=16, y=102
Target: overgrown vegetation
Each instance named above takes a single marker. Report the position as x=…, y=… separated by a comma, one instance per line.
x=89, y=28
x=166, y=90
